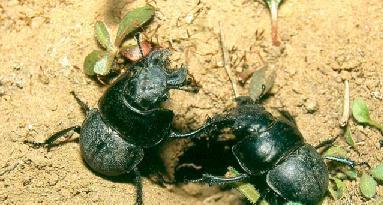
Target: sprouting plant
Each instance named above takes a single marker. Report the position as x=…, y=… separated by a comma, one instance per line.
x=249, y=191
x=367, y=186
x=368, y=181
x=337, y=186
x=273, y=6
x=362, y=115
x=246, y=189
x=100, y=62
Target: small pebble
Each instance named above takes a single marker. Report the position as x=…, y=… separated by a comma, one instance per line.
x=2, y=91
x=20, y=83
x=311, y=106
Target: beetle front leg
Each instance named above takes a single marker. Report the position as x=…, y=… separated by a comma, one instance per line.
x=207, y=128
x=211, y=179
x=138, y=185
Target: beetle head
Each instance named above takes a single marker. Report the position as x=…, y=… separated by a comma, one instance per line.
x=151, y=81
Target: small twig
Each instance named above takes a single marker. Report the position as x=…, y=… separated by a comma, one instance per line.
x=346, y=105
x=9, y=168
x=225, y=58
x=245, y=75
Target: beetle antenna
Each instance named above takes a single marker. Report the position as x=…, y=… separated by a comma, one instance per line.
x=84, y=106
x=137, y=37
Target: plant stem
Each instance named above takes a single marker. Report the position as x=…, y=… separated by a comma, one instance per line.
x=226, y=59
x=346, y=105
x=376, y=124
x=274, y=23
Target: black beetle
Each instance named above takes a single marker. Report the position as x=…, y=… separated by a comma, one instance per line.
x=129, y=118
x=273, y=154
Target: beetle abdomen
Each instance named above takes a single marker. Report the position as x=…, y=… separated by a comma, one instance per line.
x=301, y=177
x=104, y=150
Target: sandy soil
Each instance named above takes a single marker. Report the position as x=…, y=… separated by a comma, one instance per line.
x=43, y=44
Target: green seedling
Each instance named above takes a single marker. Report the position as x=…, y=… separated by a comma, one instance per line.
x=377, y=172
x=249, y=191
x=361, y=114
x=100, y=62
x=368, y=182
x=246, y=189
x=336, y=151
x=337, y=188
x=261, y=82
x=367, y=186
x=348, y=136
x=273, y=6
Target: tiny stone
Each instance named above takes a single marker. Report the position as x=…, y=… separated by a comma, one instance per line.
x=285, y=36
x=29, y=126
x=189, y=18
x=338, y=79
x=2, y=91
x=64, y=61
x=20, y=83
x=17, y=67
x=375, y=94
x=37, y=22
x=311, y=106
x=220, y=63
x=43, y=79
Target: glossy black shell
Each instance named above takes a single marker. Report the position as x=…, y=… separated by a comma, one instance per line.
x=131, y=106
x=301, y=177
x=103, y=148
x=129, y=117
x=274, y=150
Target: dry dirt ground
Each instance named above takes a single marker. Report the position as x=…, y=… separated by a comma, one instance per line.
x=43, y=44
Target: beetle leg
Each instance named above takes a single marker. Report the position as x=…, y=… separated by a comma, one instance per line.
x=177, y=78
x=286, y=114
x=211, y=179
x=138, y=185
x=54, y=137
x=137, y=37
x=244, y=100
x=327, y=143
x=192, y=89
x=342, y=160
x=205, y=129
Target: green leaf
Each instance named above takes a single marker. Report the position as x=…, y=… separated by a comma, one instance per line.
x=102, y=35
x=246, y=189
x=351, y=173
x=340, y=188
x=336, y=151
x=362, y=115
x=90, y=61
x=102, y=66
x=347, y=173
x=377, y=172
x=132, y=21
x=348, y=136
x=360, y=111
x=261, y=82
x=367, y=186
